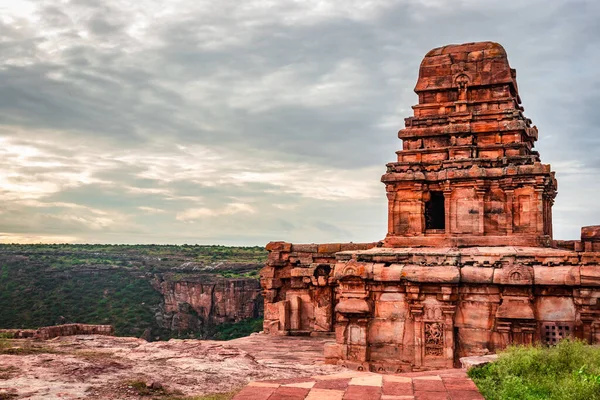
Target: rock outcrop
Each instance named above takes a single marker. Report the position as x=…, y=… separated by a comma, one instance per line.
x=194, y=302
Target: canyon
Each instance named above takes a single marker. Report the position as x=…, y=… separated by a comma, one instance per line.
x=157, y=292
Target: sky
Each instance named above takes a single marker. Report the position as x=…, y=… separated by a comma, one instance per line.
x=241, y=122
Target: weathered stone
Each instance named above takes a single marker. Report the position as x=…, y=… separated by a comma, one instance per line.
x=468, y=265
x=446, y=274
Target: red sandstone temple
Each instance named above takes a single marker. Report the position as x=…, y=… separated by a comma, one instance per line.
x=468, y=265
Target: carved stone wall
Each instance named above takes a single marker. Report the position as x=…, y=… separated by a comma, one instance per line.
x=468, y=265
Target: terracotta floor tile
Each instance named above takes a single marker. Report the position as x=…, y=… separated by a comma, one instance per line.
x=368, y=380
x=325, y=394
x=264, y=384
x=339, y=384
x=254, y=393
x=465, y=395
x=305, y=385
x=388, y=397
x=431, y=396
x=459, y=384
x=428, y=385
x=289, y=393
x=397, y=388
x=397, y=378
x=359, y=392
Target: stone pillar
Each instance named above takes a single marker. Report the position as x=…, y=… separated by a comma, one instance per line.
x=295, y=311
x=391, y=212
x=447, y=219
x=481, y=202
x=284, y=316
x=416, y=311
x=540, y=211
x=448, y=313
x=510, y=193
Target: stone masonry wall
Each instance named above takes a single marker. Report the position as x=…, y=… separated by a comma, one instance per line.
x=295, y=282
x=49, y=332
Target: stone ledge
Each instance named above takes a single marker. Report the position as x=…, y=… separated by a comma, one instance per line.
x=477, y=361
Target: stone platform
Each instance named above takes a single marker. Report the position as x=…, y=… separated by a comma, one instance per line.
x=450, y=384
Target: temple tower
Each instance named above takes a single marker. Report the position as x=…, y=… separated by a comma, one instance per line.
x=467, y=174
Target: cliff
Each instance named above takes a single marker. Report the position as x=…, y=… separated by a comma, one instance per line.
x=153, y=291
x=194, y=302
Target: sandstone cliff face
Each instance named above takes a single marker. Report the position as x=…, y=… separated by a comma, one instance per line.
x=194, y=302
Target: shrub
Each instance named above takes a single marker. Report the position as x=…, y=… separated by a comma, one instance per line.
x=568, y=371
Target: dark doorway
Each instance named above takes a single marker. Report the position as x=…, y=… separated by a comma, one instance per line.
x=435, y=212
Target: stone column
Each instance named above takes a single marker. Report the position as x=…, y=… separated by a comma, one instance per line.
x=447, y=219
x=448, y=313
x=481, y=202
x=539, y=207
x=510, y=193
x=416, y=311
x=392, y=211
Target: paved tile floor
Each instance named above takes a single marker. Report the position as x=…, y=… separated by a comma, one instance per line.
x=451, y=384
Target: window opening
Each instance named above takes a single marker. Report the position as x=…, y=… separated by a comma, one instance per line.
x=435, y=211
x=552, y=333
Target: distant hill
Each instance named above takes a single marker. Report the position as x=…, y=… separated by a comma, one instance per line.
x=158, y=291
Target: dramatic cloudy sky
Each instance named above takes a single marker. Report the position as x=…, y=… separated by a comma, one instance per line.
x=240, y=122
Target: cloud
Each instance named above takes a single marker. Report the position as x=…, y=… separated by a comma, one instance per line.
x=241, y=122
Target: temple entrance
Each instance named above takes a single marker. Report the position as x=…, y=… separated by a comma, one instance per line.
x=435, y=212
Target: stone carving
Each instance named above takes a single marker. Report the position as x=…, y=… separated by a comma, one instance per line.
x=468, y=265
x=434, y=339
x=432, y=312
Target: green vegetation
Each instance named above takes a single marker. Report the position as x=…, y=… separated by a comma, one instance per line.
x=141, y=388
x=567, y=371
x=234, y=330
x=42, y=285
x=214, y=396
x=22, y=347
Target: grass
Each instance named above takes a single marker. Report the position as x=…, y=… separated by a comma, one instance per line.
x=22, y=348
x=42, y=285
x=568, y=371
x=141, y=388
x=214, y=396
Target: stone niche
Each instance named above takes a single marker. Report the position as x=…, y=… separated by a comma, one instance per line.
x=468, y=265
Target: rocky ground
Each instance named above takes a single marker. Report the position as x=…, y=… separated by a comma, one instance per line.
x=104, y=367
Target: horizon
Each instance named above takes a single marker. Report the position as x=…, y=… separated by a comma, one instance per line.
x=240, y=124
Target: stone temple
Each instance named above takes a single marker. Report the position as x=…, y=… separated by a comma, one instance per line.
x=469, y=264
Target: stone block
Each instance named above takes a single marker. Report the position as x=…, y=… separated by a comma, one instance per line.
x=590, y=275
x=555, y=309
x=513, y=275
x=386, y=331
x=270, y=327
x=515, y=308
x=483, y=275
x=302, y=271
x=353, y=307
x=267, y=272
x=271, y=311
x=438, y=274
x=329, y=248
x=279, y=246
x=568, y=275
x=387, y=274
x=590, y=233
x=305, y=248
x=391, y=309
x=387, y=351
x=473, y=314
x=333, y=350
